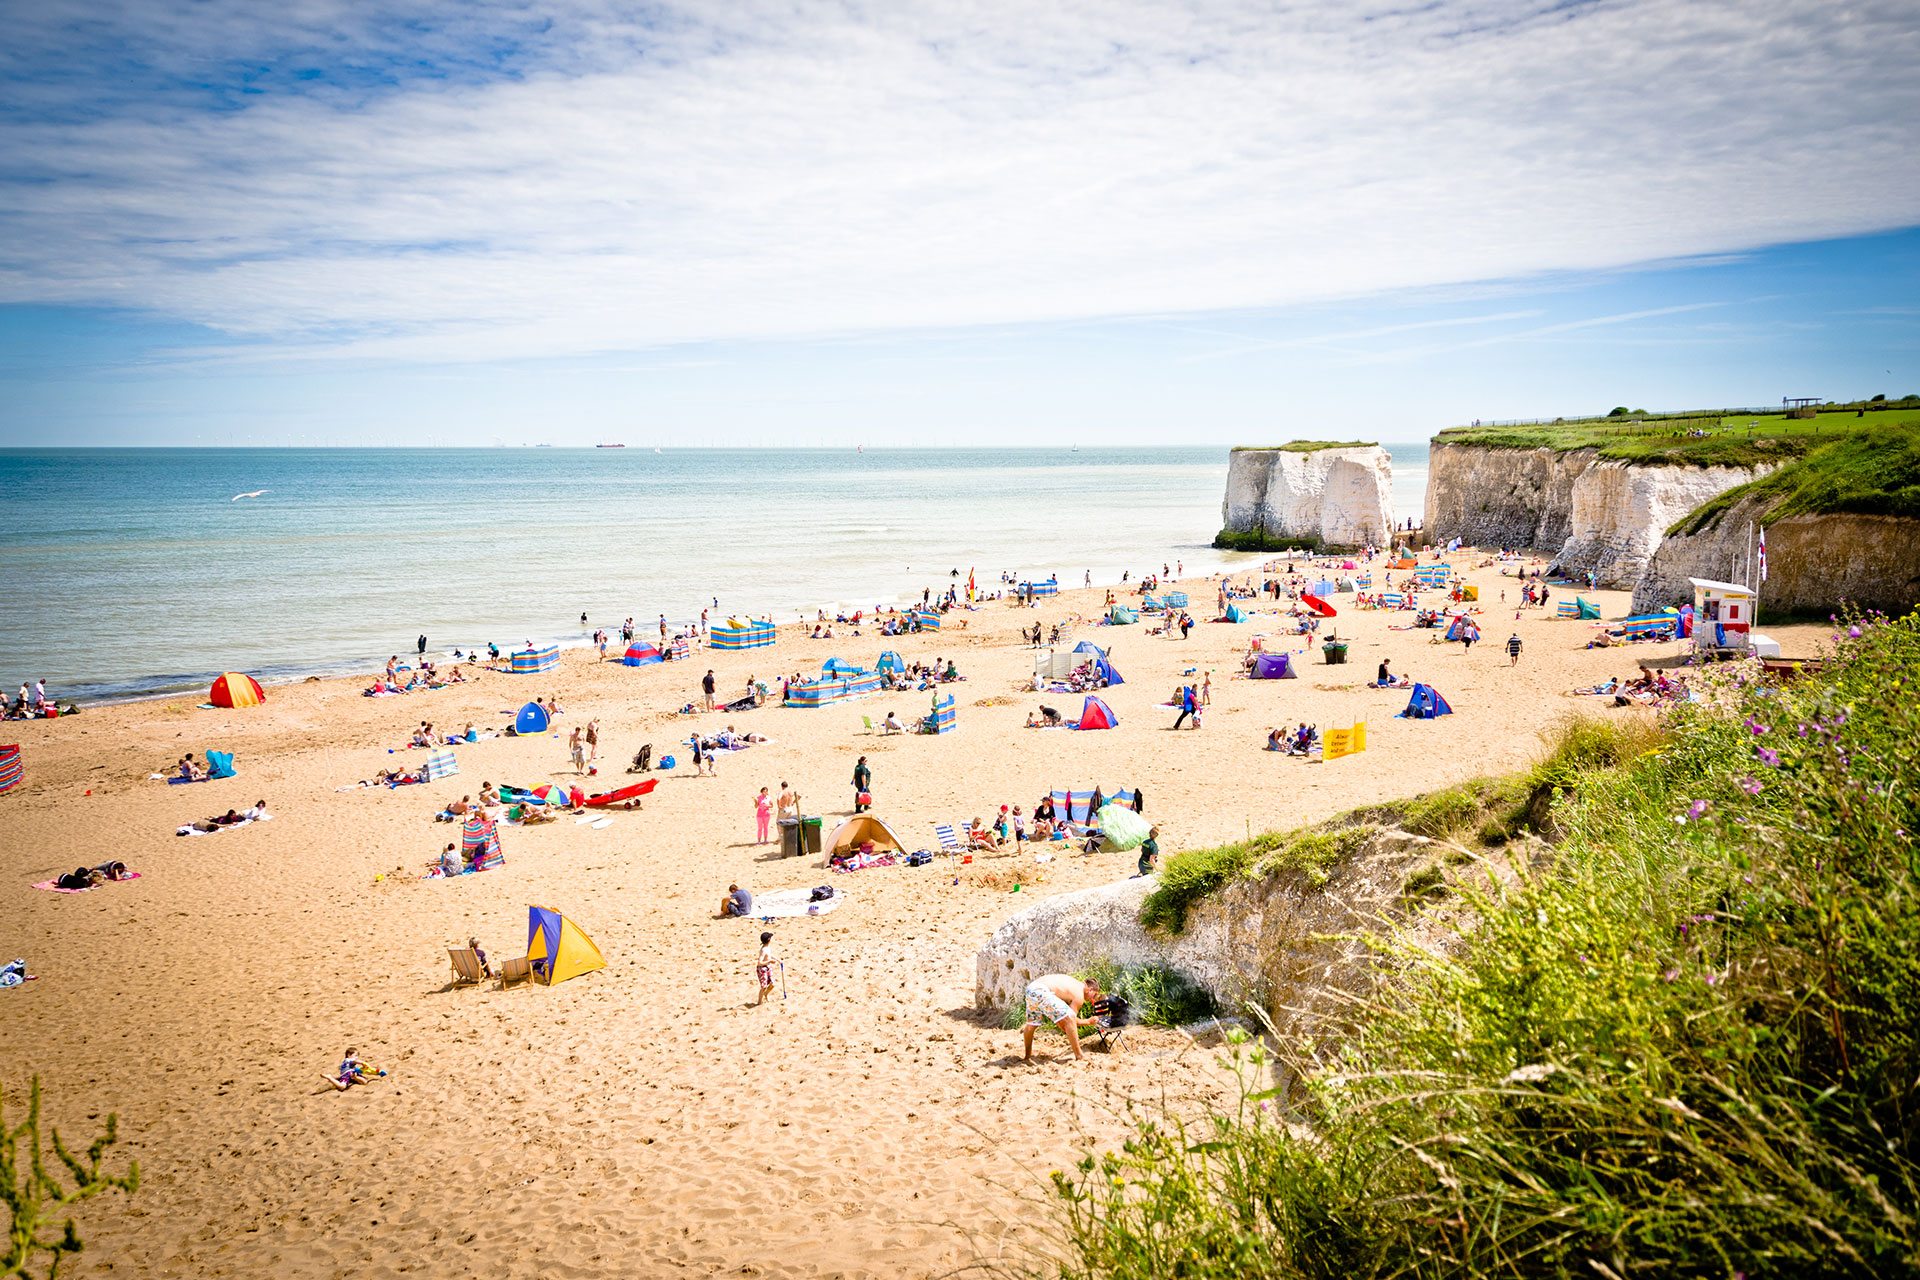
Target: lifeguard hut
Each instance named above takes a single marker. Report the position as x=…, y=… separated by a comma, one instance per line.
x=1723, y=614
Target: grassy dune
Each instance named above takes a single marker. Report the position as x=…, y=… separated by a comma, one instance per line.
x=1684, y=1040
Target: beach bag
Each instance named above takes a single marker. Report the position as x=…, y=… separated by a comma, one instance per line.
x=821, y=893
x=864, y=797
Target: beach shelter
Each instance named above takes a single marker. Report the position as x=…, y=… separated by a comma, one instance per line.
x=1121, y=616
x=1314, y=601
x=839, y=667
x=480, y=842
x=641, y=655
x=741, y=634
x=236, y=689
x=532, y=719
x=863, y=828
x=558, y=948
x=1236, y=614
x=220, y=764
x=1565, y=609
x=1123, y=828
x=943, y=721
x=1363, y=583
x=528, y=662
x=1032, y=590
x=10, y=769
x=1095, y=714
x=1426, y=703
x=1463, y=628
x=1587, y=608
x=1175, y=600
x=928, y=619
x=889, y=661
x=440, y=764
x=1107, y=671
x=1273, y=666
x=1322, y=588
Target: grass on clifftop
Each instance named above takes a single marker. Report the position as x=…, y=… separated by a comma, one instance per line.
x=1729, y=442
x=1305, y=446
x=1685, y=1044
x=1875, y=471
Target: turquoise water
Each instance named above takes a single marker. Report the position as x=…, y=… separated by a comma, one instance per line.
x=128, y=572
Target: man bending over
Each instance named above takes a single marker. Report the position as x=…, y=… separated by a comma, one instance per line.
x=1055, y=998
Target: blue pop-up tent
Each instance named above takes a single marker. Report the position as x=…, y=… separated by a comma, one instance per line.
x=1426, y=703
x=533, y=718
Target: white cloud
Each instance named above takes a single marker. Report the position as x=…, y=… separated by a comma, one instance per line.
x=833, y=168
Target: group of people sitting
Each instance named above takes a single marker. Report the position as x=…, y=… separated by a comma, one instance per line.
x=423, y=677
x=1649, y=688
x=87, y=877
x=1085, y=678
x=32, y=704
x=1299, y=741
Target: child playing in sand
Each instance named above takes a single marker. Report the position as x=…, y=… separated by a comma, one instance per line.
x=353, y=1071
x=763, y=967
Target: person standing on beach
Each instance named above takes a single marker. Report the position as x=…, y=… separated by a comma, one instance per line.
x=1186, y=705
x=703, y=622
x=663, y=631
x=1186, y=624
x=423, y=646
x=862, y=786
x=762, y=814
x=593, y=741
x=787, y=804
x=1206, y=688
x=577, y=750
x=763, y=967
x=706, y=689
x=1513, y=649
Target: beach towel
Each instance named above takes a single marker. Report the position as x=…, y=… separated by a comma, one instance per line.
x=52, y=886
x=784, y=903
x=191, y=830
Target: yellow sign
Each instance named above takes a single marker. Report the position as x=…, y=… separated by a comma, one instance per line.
x=1344, y=742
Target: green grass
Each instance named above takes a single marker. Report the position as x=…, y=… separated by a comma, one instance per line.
x=1686, y=1043
x=1305, y=446
x=1728, y=441
x=1872, y=471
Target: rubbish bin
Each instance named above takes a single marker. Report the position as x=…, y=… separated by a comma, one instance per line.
x=1336, y=654
x=798, y=836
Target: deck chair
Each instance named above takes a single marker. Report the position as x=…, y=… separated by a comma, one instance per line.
x=1111, y=1018
x=952, y=843
x=466, y=965
x=868, y=721
x=515, y=969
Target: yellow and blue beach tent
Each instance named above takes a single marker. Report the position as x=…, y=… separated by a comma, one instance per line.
x=557, y=947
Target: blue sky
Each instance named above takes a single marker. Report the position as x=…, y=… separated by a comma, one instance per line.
x=779, y=222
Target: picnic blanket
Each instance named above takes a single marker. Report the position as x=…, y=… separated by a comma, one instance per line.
x=53, y=886
x=782, y=903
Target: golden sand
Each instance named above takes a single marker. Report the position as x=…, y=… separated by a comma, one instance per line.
x=644, y=1119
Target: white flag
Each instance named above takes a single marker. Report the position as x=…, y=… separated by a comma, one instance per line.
x=1763, y=555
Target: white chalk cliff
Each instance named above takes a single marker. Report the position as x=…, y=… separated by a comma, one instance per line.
x=1338, y=497
x=1592, y=514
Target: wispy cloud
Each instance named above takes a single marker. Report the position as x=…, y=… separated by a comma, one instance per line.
x=440, y=183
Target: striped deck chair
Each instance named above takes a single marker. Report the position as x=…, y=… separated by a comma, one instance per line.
x=951, y=841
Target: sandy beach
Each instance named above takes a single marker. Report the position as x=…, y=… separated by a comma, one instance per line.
x=644, y=1119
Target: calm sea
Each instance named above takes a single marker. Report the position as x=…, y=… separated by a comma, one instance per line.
x=131, y=572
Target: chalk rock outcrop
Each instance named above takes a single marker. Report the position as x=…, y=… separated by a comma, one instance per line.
x=1502, y=497
x=1274, y=940
x=1338, y=497
x=1813, y=562
x=1621, y=512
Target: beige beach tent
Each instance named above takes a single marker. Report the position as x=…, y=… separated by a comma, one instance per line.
x=860, y=829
